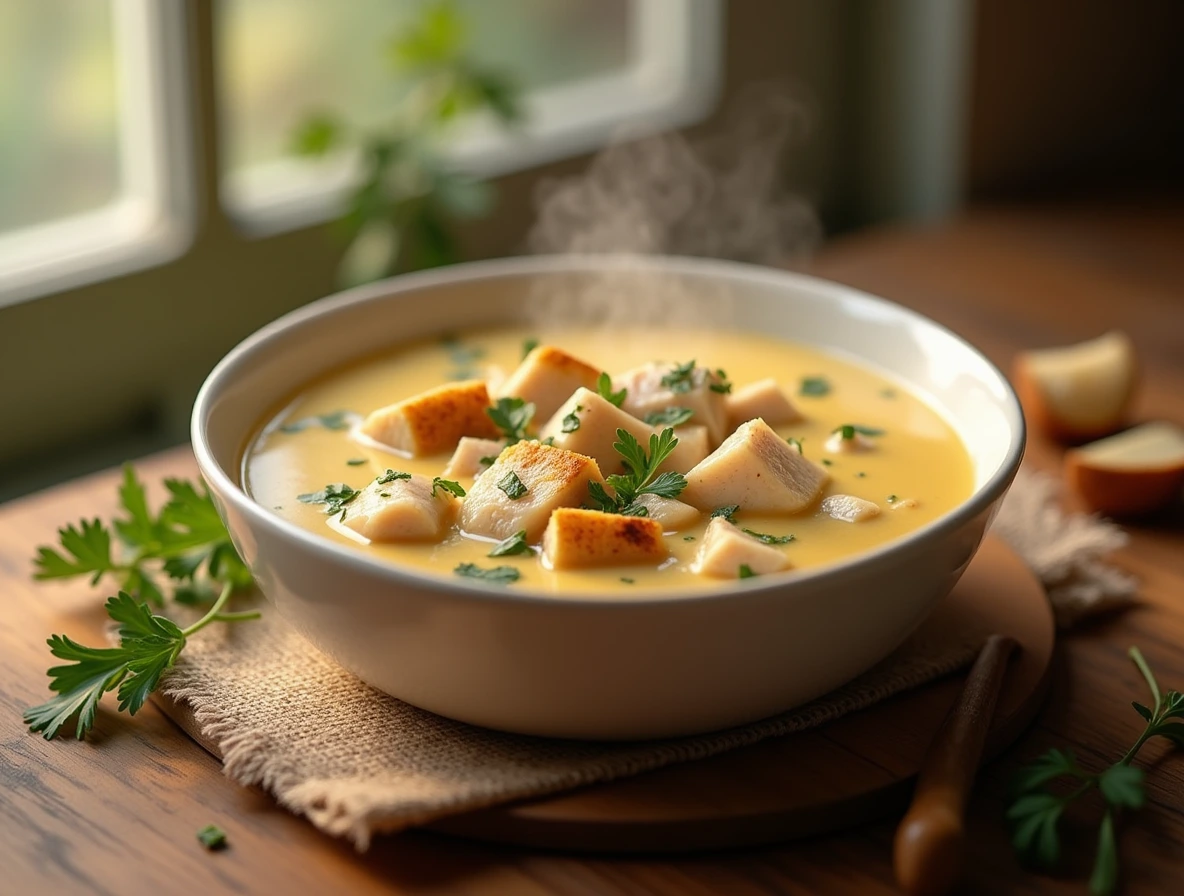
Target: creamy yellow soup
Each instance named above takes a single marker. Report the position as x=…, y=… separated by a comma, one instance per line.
x=917, y=470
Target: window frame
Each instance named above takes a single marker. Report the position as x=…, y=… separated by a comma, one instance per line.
x=672, y=80
x=151, y=221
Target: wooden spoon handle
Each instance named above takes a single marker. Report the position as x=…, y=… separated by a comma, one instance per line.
x=931, y=838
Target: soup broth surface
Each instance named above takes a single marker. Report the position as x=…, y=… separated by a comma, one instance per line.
x=918, y=458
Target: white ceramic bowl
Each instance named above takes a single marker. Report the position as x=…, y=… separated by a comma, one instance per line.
x=632, y=667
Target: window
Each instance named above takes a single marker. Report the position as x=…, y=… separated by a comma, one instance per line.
x=92, y=173
x=588, y=66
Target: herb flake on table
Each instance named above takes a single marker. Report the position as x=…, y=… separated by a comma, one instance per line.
x=212, y=837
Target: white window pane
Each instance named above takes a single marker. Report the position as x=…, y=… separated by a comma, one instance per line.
x=59, y=154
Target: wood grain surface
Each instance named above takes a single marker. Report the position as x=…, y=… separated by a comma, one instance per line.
x=118, y=815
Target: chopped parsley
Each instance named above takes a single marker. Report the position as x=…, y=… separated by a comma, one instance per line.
x=488, y=460
x=515, y=544
x=335, y=420
x=892, y=499
x=669, y=416
x=528, y=346
x=627, y=580
x=726, y=512
x=212, y=837
x=571, y=422
x=769, y=539
x=604, y=386
x=688, y=538
x=391, y=476
x=512, y=416
x=827, y=462
x=848, y=430
x=861, y=475
x=512, y=486
x=795, y=443
x=335, y=496
x=499, y=575
x=681, y=378
x=724, y=386
x=746, y=571
x=355, y=461
x=641, y=474
x=448, y=485
x=814, y=386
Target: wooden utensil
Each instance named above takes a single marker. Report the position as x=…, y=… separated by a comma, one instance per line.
x=930, y=841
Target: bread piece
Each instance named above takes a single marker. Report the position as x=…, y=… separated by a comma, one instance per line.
x=433, y=421
x=577, y=539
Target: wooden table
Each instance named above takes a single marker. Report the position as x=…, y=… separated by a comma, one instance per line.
x=118, y=815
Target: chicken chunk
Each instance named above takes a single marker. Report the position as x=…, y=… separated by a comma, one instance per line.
x=433, y=421
x=849, y=508
x=547, y=377
x=588, y=424
x=466, y=459
x=692, y=447
x=524, y=485
x=670, y=512
x=401, y=509
x=689, y=388
x=577, y=538
x=758, y=470
x=764, y=399
x=725, y=549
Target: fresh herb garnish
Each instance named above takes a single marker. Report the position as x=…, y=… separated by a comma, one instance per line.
x=335, y=420
x=391, y=476
x=769, y=539
x=861, y=475
x=1036, y=811
x=827, y=462
x=814, y=386
x=512, y=416
x=515, y=544
x=746, y=571
x=688, y=538
x=891, y=499
x=641, y=474
x=512, y=486
x=681, y=378
x=723, y=386
x=571, y=422
x=488, y=460
x=212, y=837
x=604, y=386
x=848, y=430
x=500, y=575
x=626, y=580
x=669, y=417
x=795, y=443
x=448, y=485
x=335, y=496
x=727, y=512
x=528, y=346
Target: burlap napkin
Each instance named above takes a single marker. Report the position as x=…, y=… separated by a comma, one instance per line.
x=356, y=762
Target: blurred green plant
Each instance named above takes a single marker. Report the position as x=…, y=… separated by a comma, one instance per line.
x=400, y=216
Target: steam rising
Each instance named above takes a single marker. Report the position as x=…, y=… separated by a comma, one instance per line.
x=720, y=197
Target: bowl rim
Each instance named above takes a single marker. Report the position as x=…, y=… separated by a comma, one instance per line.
x=838, y=571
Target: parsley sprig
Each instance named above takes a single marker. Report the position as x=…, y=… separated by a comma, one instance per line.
x=185, y=539
x=641, y=474
x=604, y=387
x=512, y=416
x=1036, y=811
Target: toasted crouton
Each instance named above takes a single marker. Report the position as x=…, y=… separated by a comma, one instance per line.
x=433, y=421
x=645, y=394
x=849, y=509
x=758, y=470
x=725, y=549
x=764, y=399
x=401, y=510
x=467, y=459
x=546, y=377
x=577, y=538
x=524, y=485
x=588, y=424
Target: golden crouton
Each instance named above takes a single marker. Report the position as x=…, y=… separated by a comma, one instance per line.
x=577, y=538
x=433, y=421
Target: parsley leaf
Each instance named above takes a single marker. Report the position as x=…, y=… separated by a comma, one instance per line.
x=335, y=420
x=499, y=575
x=814, y=386
x=515, y=544
x=391, y=476
x=355, y=462
x=848, y=430
x=512, y=416
x=335, y=496
x=722, y=384
x=448, y=485
x=528, y=346
x=487, y=461
x=571, y=422
x=746, y=572
x=212, y=837
x=89, y=547
x=769, y=539
x=514, y=487
x=795, y=443
x=681, y=378
x=604, y=387
x=641, y=474
x=669, y=416
x=727, y=512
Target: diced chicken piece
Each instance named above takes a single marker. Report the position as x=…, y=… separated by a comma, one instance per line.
x=764, y=399
x=401, y=510
x=466, y=459
x=645, y=394
x=551, y=477
x=692, y=447
x=724, y=549
x=576, y=538
x=547, y=376
x=592, y=423
x=433, y=421
x=758, y=470
x=670, y=512
x=849, y=508
x=902, y=504
x=857, y=444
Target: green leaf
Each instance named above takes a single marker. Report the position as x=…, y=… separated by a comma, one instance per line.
x=501, y=94
x=814, y=386
x=317, y=135
x=1173, y=705
x=1122, y=786
x=212, y=837
x=1136, y=656
x=139, y=528
x=1034, y=819
x=727, y=512
x=512, y=416
x=669, y=416
x=1141, y=710
x=515, y=544
x=681, y=378
x=499, y=575
x=769, y=539
x=571, y=422
x=1173, y=731
x=795, y=443
x=512, y=486
x=449, y=485
x=528, y=346
x=604, y=387
x=1104, y=878
x=746, y=571
x=848, y=430
x=335, y=496
x=141, y=586
x=88, y=546
x=666, y=485
x=1043, y=769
